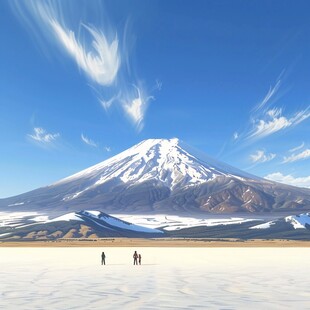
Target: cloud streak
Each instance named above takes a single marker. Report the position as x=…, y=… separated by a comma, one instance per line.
x=272, y=91
x=106, y=104
x=135, y=106
x=236, y=135
x=96, y=50
x=299, y=147
x=266, y=120
x=273, y=121
x=295, y=157
x=289, y=179
x=88, y=141
x=100, y=61
x=41, y=136
x=260, y=157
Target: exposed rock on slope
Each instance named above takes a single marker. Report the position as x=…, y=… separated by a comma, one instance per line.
x=162, y=176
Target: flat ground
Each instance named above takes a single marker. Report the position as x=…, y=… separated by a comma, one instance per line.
x=169, y=278
x=126, y=242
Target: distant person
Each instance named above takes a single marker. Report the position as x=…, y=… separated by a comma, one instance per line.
x=135, y=258
x=139, y=258
x=102, y=258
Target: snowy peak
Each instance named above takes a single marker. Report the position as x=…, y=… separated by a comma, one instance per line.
x=162, y=175
x=169, y=162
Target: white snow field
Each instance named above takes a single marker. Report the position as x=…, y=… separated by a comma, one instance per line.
x=169, y=278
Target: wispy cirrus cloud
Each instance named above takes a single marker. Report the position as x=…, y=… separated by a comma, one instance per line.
x=88, y=141
x=289, y=179
x=260, y=156
x=95, y=48
x=295, y=157
x=100, y=61
x=266, y=119
x=106, y=104
x=299, y=147
x=41, y=136
x=135, y=105
x=270, y=94
x=236, y=135
x=273, y=121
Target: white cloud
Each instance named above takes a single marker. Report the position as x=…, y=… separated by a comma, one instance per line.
x=95, y=48
x=299, y=147
x=95, y=55
x=235, y=135
x=273, y=121
x=88, y=141
x=106, y=104
x=272, y=91
x=260, y=157
x=289, y=179
x=40, y=135
x=300, y=156
x=100, y=61
x=107, y=149
x=266, y=120
x=135, y=105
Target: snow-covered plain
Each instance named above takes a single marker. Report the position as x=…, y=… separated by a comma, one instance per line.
x=169, y=278
x=169, y=222
x=175, y=222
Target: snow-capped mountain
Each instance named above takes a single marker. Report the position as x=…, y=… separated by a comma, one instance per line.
x=160, y=175
x=166, y=162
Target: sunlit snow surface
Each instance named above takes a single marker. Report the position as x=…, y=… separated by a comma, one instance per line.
x=15, y=219
x=168, y=162
x=263, y=226
x=299, y=221
x=174, y=222
x=115, y=222
x=145, y=223
x=169, y=278
x=167, y=222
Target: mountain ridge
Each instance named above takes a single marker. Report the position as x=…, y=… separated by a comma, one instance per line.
x=162, y=175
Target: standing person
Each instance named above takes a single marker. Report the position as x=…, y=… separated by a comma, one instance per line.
x=102, y=258
x=135, y=258
x=139, y=258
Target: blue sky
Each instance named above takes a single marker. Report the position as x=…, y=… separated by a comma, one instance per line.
x=82, y=81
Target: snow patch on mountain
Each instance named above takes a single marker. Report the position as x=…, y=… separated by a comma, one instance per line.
x=263, y=226
x=167, y=162
x=102, y=218
x=299, y=221
x=72, y=196
x=15, y=219
x=16, y=204
x=66, y=217
x=169, y=223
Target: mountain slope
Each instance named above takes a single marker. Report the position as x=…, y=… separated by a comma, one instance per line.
x=27, y=226
x=161, y=175
x=83, y=224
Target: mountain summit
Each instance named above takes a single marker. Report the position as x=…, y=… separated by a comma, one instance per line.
x=167, y=162
x=162, y=175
